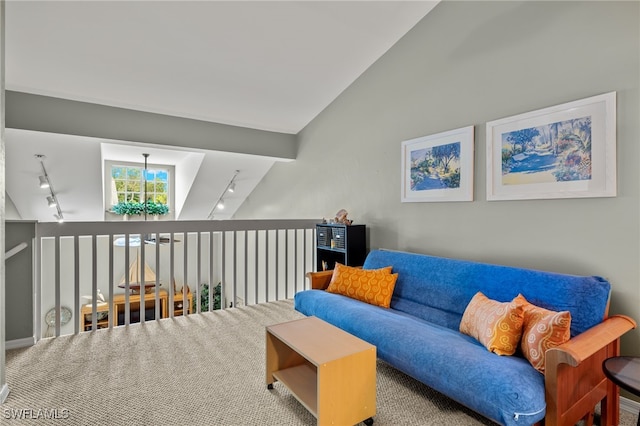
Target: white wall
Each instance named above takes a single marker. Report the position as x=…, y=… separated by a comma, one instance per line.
x=467, y=63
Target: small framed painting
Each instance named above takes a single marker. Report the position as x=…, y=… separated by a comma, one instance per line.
x=438, y=167
x=564, y=151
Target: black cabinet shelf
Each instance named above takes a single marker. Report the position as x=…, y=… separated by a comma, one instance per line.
x=345, y=244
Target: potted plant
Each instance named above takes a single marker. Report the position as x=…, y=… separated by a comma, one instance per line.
x=204, y=298
x=157, y=209
x=127, y=208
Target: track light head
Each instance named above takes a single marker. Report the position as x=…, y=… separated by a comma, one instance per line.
x=59, y=217
x=44, y=183
x=51, y=201
x=221, y=205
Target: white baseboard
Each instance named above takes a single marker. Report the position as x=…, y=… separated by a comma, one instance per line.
x=4, y=392
x=20, y=343
x=629, y=405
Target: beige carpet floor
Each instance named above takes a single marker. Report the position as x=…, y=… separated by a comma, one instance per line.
x=205, y=369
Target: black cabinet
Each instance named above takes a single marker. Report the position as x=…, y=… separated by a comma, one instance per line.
x=344, y=244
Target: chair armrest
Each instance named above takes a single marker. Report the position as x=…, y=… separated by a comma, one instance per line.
x=574, y=379
x=319, y=280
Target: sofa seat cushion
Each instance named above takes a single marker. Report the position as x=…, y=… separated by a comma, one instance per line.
x=505, y=389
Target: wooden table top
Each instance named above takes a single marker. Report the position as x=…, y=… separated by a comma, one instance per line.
x=317, y=340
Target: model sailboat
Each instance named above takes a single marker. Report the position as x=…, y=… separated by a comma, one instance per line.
x=135, y=275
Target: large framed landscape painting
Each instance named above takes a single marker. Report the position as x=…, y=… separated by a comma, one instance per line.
x=564, y=151
x=438, y=167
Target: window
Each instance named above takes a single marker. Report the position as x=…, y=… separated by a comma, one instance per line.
x=128, y=184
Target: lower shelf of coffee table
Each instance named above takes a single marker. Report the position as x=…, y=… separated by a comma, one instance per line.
x=301, y=380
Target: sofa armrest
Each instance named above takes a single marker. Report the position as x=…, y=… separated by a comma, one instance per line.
x=319, y=280
x=588, y=343
x=574, y=380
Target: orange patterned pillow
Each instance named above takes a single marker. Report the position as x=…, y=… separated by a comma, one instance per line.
x=543, y=329
x=374, y=286
x=497, y=325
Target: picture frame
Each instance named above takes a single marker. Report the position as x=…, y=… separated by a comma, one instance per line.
x=563, y=151
x=438, y=167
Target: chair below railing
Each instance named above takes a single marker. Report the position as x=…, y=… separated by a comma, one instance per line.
x=107, y=274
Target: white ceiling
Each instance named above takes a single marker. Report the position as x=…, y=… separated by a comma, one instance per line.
x=269, y=65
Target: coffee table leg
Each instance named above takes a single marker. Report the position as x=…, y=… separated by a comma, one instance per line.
x=270, y=386
x=369, y=421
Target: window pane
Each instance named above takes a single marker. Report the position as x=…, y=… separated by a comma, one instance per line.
x=133, y=174
x=118, y=172
x=133, y=186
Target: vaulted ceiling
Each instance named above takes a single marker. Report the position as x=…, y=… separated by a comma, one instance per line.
x=267, y=65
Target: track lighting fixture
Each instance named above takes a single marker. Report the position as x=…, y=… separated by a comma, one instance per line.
x=45, y=182
x=231, y=187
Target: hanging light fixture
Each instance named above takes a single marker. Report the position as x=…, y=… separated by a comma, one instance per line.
x=231, y=187
x=144, y=202
x=45, y=182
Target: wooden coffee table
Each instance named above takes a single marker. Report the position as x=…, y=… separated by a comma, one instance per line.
x=331, y=372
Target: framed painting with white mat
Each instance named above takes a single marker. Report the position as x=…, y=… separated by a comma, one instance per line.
x=438, y=167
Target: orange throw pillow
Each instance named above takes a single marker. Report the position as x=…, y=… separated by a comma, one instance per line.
x=497, y=325
x=373, y=286
x=543, y=329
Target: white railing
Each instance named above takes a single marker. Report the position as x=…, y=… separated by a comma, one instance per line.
x=253, y=261
x=15, y=250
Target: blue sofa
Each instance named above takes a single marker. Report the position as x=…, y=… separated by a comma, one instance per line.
x=419, y=336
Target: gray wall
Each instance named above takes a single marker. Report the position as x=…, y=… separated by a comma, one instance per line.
x=19, y=280
x=467, y=63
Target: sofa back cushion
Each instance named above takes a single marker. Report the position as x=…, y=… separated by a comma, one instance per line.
x=439, y=289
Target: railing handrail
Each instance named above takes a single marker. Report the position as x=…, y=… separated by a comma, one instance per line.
x=66, y=229
x=17, y=249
